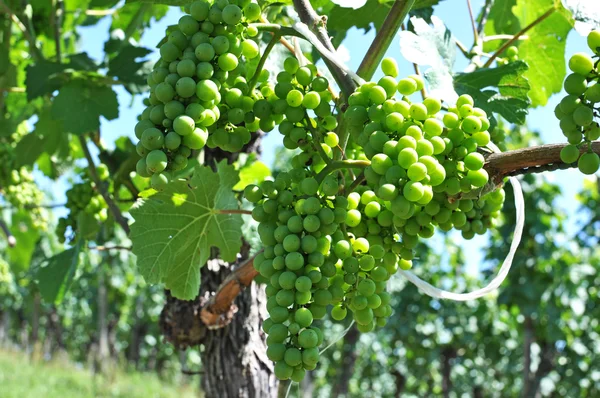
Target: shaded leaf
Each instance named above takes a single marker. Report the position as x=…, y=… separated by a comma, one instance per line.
x=252, y=173
x=544, y=51
x=189, y=225
x=54, y=279
x=80, y=106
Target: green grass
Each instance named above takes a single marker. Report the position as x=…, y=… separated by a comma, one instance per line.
x=22, y=378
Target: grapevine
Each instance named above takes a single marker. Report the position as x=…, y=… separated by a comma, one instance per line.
x=577, y=111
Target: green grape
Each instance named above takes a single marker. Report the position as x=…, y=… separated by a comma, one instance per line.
x=474, y=161
x=583, y=116
x=389, y=67
x=581, y=64
x=252, y=12
x=172, y=140
x=575, y=84
x=311, y=100
x=183, y=125
x=152, y=138
x=159, y=181
x=294, y=98
x=589, y=163
x=197, y=139
x=207, y=90
x=156, y=161
x=407, y=86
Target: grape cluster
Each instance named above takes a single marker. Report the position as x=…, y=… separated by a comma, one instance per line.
x=512, y=55
x=577, y=111
x=424, y=167
x=84, y=205
x=202, y=62
x=17, y=185
x=325, y=247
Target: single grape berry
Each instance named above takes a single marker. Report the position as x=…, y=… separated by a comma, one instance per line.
x=569, y=154
x=589, y=163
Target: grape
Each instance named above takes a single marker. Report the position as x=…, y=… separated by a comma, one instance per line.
x=583, y=116
x=478, y=177
x=185, y=87
x=159, y=181
x=232, y=14
x=474, y=161
x=141, y=168
x=228, y=62
x=407, y=86
x=207, y=90
x=581, y=64
x=575, y=84
x=164, y=92
x=589, y=163
x=294, y=98
x=311, y=100
x=389, y=67
x=197, y=139
x=183, y=125
x=152, y=138
x=156, y=161
x=252, y=11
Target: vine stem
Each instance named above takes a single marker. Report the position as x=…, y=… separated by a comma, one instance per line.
x=234, y=211
x=475, y=33
x=106, y=248
x=485, y=13
x=57, y=24
x=220, y=303
x=263, y=59
x=112, y=206
x=341, y=164
x=384, y=38
x=136, y=21
x=518, y=35
x=12, y=241
x=530, y=160
x=35, y=51
x=317, y=24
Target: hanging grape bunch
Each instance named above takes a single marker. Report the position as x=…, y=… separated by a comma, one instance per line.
x=85, y=205
x=17, y=184
x=202, y=61
x=579, y=119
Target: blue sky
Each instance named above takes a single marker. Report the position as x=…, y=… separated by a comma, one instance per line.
x=453, y=13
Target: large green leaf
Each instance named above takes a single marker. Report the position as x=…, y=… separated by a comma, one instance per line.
x=433, y=45
x=40, y=78
x=174, y=230
x=508, y=79
x=46, y=138
x=501, y=20
x=55, y=277
x=79, y=105
x=544, y=51
x=26, y=235
x=253, y=172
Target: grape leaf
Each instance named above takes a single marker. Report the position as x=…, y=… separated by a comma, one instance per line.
x=126, y=14
x=46, y=138
x=511, y=98
x=40, y=78
x=544, y=51
x=174, y=230
x=80, y=106
x=508, y=79
x=54, y=279
x=124, y=64
x=252, y=173
x=432, y=45
x=501, y=20
x=27, y=235
x=342, y=19
x=586, y=14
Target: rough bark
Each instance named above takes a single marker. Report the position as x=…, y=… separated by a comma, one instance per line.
x=349, y=357
x=137, y=334
x=400, y=381
x=448, y=354
x=234, y=357
x=527, y=342
x=103, y=353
